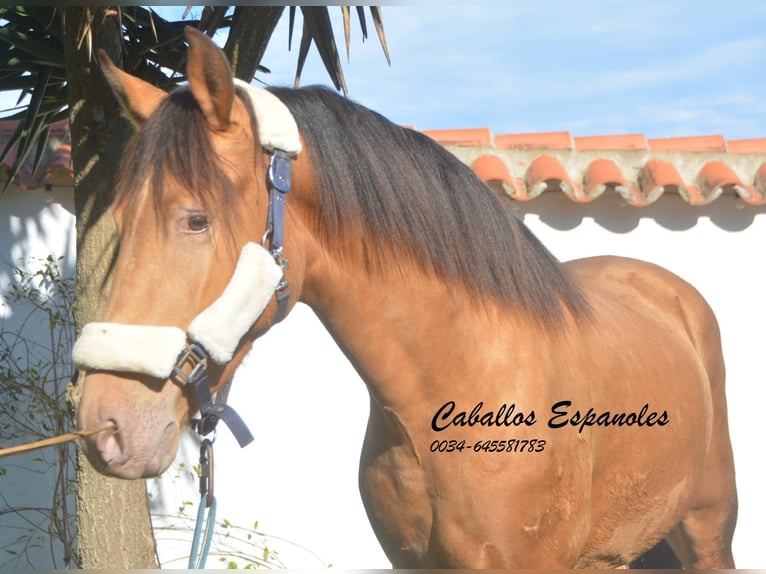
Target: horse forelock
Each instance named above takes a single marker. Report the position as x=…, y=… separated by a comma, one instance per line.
x=409, y=197
x=174, y=146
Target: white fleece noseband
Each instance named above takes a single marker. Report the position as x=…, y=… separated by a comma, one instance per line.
x=139, y=349
x=154, y=350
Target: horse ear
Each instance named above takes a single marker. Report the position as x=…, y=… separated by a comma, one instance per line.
x=210, y=79
x=138, y=98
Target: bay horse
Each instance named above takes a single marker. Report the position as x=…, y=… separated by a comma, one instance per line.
x=524, y=413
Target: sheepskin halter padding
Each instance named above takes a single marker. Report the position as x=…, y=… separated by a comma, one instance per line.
x=276, y=125
x=154, y=350
x=220, y=327
x=141, y=349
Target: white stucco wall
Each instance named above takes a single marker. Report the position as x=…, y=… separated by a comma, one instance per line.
x=307, y=408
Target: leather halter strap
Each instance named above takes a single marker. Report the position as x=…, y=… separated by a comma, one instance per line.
x=279, y=180
x=211, y=410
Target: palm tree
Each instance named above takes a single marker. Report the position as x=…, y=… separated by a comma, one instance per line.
x=33, y=61
x=47, y=54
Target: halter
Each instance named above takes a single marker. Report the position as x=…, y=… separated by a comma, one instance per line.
x=279, y=184
x=215, y=333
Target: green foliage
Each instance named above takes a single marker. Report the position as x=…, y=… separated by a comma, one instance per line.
x=34, y=375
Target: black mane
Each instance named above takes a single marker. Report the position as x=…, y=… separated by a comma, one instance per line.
x=405, y=195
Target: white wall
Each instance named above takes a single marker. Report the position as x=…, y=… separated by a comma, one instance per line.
x=34, y=224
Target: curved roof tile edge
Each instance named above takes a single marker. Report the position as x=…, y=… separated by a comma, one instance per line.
x=699, y=168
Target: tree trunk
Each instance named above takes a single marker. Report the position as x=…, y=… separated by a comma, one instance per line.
x=113, y=523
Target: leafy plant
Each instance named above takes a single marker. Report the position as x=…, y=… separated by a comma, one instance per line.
x=34, y=375
x=233, y=546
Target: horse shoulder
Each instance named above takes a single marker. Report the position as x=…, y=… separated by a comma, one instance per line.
x=644, y=287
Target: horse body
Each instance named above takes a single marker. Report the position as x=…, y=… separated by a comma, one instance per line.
x=465, y=334
x=521, y=509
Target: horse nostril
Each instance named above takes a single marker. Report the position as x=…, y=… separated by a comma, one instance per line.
x=108, y=444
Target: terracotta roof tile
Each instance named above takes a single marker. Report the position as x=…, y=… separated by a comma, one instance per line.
x=657, y=176
x=493, y=170
x=688, y=144
x=714, y=178
x=602, y=174
x=539, y=141
x=546, y=173
x=747, y=146
x=699, y=168
x=462, y=137
x=611, y=142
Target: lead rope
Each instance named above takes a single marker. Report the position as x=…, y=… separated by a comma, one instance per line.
x=211, y=413
x=203, y=529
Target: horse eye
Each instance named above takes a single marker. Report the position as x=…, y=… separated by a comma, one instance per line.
x=197, y=222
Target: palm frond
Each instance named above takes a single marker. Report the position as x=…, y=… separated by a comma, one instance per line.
x=317, y=29
x=32, y=55
x=377, y=18
x=347, y=30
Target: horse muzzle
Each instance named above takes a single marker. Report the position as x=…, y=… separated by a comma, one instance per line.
x=144, y=415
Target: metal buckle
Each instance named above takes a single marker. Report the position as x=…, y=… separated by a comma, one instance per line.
x=266, y=238
x=279, y=170
x=282, y=290
x=280, y=259
x=206, y=424
x=206, y=471
x=194, y=355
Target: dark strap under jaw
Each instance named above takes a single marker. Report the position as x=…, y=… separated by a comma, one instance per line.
x=211, y=410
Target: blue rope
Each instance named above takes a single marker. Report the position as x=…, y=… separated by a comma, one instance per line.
x=207, y=502
x=195, y=562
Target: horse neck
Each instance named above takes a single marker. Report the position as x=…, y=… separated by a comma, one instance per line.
x=374, y=320
x=403, y=328
x=399, y=328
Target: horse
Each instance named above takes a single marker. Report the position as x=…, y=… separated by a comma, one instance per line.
x=524, y=412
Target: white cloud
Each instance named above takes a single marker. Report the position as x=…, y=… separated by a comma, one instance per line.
x=709, y=65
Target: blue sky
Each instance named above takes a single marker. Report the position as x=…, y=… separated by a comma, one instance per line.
x=659, y=67
x=662, y=68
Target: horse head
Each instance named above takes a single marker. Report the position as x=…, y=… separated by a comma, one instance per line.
x=191, y=199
